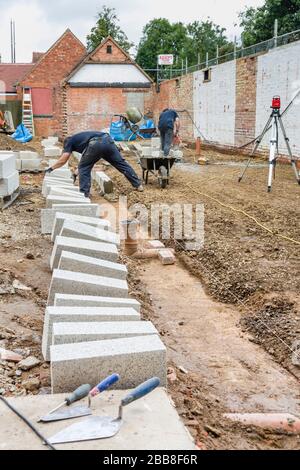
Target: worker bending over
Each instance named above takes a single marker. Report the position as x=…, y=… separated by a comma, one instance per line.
x=169, y=125
x=93, y=146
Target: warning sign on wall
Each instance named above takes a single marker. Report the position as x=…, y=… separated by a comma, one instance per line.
x=165, y=59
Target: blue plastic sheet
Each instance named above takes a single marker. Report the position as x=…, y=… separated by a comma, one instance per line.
x=22, y=134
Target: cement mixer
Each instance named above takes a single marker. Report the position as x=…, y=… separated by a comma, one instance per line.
x=130, y=126
x=134, y=115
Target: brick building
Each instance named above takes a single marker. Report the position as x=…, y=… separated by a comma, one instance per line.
x=73, y=90
x=106, y=82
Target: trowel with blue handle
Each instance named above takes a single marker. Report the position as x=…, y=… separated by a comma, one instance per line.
x=103, y=427
x=69, y=412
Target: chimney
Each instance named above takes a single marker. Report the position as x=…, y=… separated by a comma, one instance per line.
x=36, y=56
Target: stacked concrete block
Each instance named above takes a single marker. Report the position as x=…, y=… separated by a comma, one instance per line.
x=67, y=333
x=50, y=142
x=9, y=184
x=73, y=300
x=75, y=229
x=92, y=221
x=56, y=315
x=48, y=215
x=156, y=143
x=30, y=165
x=9, y=176
x=147, y=152
x=104, y=182
x=52, y=152
x=104, y=251
x=52, y=200
x=68, y=282
x=134, y=359
x=7, y=164
x=85, y=264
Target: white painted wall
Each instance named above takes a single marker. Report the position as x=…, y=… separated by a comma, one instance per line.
x=279, y=74
x=214, y=103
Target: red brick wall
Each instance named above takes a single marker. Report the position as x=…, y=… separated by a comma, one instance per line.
x=116, y=56
x=177, y=94
x=55, y=65
x=93, y=108
x=44, y=127
x=245, y=114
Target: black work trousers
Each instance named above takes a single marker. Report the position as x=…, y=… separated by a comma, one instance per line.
x=103, y=147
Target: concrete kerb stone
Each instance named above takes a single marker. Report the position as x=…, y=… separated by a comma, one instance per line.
x=68, y=187
x=75, y=229
x=67, y=333
x=51, y=200
x=92, y=221
x=48, y=183
x=104, y=251
x=104, y=182
x=61, y=173
x=85, y=264
x=7, y=164
x=134, y=359
x=69, y=300
x=82, y=314
x=70, y=282
x=48, y=215
x=64, y=191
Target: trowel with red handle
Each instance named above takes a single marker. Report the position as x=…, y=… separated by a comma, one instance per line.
x=81, y=392
x=103, y=427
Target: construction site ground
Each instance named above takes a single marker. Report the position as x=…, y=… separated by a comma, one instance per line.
x=228, y=314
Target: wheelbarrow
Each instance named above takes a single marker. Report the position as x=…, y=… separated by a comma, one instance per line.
x=160, y=167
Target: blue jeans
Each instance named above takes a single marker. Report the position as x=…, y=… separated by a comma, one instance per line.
x=166, y=137
x=103, y=147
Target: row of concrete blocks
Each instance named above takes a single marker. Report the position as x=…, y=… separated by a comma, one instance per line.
x=24, y=160
x=51, y=148
x=92, y=328
x=9, y=176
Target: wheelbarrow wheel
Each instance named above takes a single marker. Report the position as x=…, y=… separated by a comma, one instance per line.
x=163, y=177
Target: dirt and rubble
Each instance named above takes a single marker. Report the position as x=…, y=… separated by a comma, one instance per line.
x=241, y=266
x=7, y=143
x=241, y=262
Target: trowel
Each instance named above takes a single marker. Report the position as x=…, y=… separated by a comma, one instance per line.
x=103, y=427
x=82, y=410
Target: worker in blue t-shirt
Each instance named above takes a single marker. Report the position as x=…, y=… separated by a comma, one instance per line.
x=93, y=146
x=169, y=125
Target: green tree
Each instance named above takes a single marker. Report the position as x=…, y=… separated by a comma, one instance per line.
x=258, y=23
x=183, y=41
x=107, y=25
x=203, y=37
x=160, y=37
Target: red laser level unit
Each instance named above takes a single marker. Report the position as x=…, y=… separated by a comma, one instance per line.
x=276, y=102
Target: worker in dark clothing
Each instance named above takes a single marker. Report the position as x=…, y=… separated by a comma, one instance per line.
x=93, y=146
x=169, y=125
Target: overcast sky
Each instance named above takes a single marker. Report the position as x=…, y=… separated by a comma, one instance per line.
x=40, y=22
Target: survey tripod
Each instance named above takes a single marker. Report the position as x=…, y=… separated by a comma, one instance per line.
x=274, y=122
